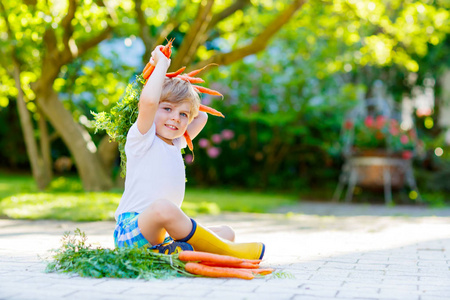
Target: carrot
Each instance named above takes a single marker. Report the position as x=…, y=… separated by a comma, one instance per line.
x=195, y=72
x=263, y=271
x=204, y=90
x=176, y=73
x=211, y=111
x=146, y=67
x=190, y=79
x=209, y=257
x=253, y=270
x=148, y=72
x=199, y=269
x=166, y=50
x=242, y=265
x=188, y=141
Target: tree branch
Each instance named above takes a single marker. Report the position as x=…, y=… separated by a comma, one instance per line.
x=66, y=23
x=259, y=43
x=144, y=29
x=94, y=41
x=195, y=36
x=237, y=5
x=10, y=34
x=173, y=22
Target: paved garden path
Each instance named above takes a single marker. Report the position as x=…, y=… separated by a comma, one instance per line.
x=332, y=252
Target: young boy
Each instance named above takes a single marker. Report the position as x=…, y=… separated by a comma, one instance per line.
x=155, y=179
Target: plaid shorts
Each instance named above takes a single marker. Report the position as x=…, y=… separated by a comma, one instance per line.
x=128, y=234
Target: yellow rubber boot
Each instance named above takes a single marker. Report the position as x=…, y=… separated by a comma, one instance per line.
x=202, y=239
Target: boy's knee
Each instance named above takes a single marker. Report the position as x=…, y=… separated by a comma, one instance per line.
x=163, y=210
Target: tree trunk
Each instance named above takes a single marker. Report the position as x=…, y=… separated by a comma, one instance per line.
x=41, y=174
x=77, y=139
x=108, y=152
x=45, y=144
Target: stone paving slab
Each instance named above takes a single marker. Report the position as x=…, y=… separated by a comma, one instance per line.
x=360, y=252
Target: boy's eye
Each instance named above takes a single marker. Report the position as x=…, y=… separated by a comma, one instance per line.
x=184, y=115
x=167, y=108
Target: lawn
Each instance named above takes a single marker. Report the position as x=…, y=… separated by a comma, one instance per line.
x=66, y=200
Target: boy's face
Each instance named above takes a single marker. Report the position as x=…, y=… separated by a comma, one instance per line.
x=171, y=120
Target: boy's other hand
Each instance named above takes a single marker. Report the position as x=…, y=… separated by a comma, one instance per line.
x=158, y=56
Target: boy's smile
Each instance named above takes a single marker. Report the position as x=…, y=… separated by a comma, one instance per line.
x=171, y=120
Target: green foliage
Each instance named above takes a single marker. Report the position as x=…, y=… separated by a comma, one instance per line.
x=76, y=256
x=286, y=123
x=13, y=154
x=78, y=207
x=11, y=184
x=122, y=116
x=214, y=201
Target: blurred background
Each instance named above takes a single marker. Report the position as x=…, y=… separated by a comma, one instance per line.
x=299, y=80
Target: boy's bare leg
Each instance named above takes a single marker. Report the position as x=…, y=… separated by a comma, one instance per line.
x=162, y=216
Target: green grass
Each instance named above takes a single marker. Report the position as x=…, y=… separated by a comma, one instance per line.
x=236, y=201
x=66, y=200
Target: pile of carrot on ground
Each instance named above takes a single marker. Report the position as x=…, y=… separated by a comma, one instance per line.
x=215, y=265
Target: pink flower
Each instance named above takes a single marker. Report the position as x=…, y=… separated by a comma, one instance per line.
x=188, y=158
x=394, y=123
x=255, y=107
x=216, y=138
x=203, y=143
x=213, y=152
x=407, y=154
x=369, y=121
x=227, y=134
x=380, y=120
x=404, y=139
x=394, y=130
x=348, y=124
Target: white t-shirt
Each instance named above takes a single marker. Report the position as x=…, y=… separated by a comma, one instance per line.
x=155, y=170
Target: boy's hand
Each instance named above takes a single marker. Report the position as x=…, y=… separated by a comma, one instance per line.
x=158, y=56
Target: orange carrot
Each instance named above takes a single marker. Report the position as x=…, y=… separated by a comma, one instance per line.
x=204, y=90
x=188, y=141
x=211, y=111
x=242, y=265
x=209, y=257
x=252, y=269
x=195, y=72
x=167, y=51
x=176, y=73
x=190, y=79
x=263, y=271
x=146, y=67
x=199, y=269
x=148, y=72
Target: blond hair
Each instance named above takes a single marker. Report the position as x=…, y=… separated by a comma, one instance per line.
x=175, y=90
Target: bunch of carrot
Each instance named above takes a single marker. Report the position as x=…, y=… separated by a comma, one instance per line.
x=189, y=77
x=215, y=265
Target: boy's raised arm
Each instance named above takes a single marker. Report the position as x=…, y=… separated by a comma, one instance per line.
x=151, y=93
x=197, y=124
